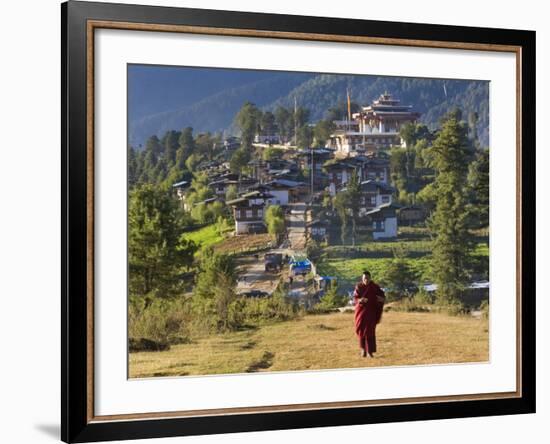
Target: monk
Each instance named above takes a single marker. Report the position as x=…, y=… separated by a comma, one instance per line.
x=369, y=302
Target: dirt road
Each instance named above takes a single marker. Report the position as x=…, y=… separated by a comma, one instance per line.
x=297, y=226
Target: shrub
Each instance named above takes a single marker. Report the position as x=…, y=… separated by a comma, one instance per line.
x=143, y=344
x=275, y=220
x=399, y=277
x=154, y=324
x=274, y=308
x=484, y=308
x=425, y=297
x=456, y=308
x=331, y=299
x=410, y=305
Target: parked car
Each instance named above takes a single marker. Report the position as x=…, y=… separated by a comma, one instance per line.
x=255, y=294
x=299, y=266
x=273, y=261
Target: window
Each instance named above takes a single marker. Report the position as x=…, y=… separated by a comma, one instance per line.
x=260, y=213
x=373, y=200
x=385, y=198
x=249, y=214
x=378, y=225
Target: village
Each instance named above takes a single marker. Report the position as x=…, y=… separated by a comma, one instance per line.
x=301, y=182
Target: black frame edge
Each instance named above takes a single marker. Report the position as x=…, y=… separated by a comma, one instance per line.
x=74, y=425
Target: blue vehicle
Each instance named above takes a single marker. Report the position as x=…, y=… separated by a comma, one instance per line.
x=299, y=265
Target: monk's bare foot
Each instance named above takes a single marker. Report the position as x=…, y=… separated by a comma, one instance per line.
x=370, y=355
x=363, y=353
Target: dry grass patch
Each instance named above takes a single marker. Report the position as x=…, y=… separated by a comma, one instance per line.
x=243, y=243
x=323, y=342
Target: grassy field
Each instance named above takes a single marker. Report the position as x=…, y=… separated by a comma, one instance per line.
x=349, y=270
x=323, y=342
x=205, y=236
x=347, y=263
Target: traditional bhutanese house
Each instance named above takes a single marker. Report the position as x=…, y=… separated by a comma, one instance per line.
x=287, y=190
x=210, y=166
x=279, y=192
x=266, y=138
x=383, y=220
x=411, y=215
x=231, y=143
x=385, y=116
x=245, y=183
x=376, y=168
x=377, y=127
x=207, y=202
x=220, y=186
x=317, y=229
x=374, y=194
x=181, y=188
x=339, y=173
x=248, y=212
x=320, y=157
x=279, y=168
x=259, y=169
x=346, y=125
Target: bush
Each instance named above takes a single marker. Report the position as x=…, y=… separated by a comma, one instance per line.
x=275, y=308
x=484, y=308
x=425, y=297
x=399, y=277
x=410, y=305
x=331, y=299
x=154, y=324
x=456, y=308
x=275, y=220
x=143, y=344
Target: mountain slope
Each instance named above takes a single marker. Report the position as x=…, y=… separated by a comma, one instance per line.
x=215, y=112
x=319, y=92
x=431, y=97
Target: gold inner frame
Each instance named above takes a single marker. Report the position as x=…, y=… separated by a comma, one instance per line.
x=96, y=24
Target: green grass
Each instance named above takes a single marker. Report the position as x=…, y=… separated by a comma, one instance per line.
x=350, y=270
x=205, y=236
x=323, y=342
x=347, y=263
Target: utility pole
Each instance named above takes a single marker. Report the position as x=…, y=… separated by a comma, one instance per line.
x=295, y=122
x=311, y=174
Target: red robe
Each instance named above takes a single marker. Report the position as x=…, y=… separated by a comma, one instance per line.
x=367, y=314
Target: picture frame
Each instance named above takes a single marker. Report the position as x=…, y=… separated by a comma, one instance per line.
x=80, y=20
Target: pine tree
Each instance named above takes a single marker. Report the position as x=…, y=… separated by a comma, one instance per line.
x=449, y=222
x=478, y=188
x=156, y=251
x=132, y=167
x=171, y=145
x=248, y=120
x=353, y=194
x=153, y=145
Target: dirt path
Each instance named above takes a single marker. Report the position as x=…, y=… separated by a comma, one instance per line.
x=297, y=226
x=252, y=275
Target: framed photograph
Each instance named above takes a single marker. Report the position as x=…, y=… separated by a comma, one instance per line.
x=275, y=221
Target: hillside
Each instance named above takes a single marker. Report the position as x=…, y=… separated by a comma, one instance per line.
x=433, y=98
x=323, y=342
x=318, y=92
x=215, y=112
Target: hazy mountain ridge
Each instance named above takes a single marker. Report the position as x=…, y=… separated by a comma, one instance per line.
x=213, y=113
x=319, y=92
